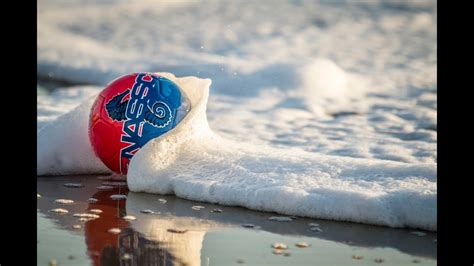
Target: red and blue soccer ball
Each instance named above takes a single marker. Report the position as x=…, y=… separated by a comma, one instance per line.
x=129, y=112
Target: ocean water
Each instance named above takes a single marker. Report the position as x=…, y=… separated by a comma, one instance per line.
x=319, y=109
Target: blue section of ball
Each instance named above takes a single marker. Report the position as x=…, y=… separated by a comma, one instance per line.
x=156, y=105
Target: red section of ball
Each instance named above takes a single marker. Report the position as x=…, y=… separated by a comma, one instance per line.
x=104, y=132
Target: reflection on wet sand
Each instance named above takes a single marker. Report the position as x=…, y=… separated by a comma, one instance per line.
x=174, y=233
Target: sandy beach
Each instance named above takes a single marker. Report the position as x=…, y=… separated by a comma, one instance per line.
x=171, y=231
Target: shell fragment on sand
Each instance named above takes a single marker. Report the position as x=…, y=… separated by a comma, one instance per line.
x=280, y=218
x=118, y=197
x=147, y=211
x=129, y=218
x=418, y=233
x=248, y=225
x=315, y=229
x=162, y=201
x=64, y=201
x=59, y=210
x=114, y=230
x=73, y=185
x=86, y=215
x=197, y=207
x=302, y=244
x=279, y=246
x=92, y=200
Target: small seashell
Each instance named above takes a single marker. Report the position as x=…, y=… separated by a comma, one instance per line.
x=217, y=211
x=302, y=244
x=95, y=211
x=316, y=229
x=86, y=215
x=277, y=251
x=76, y=226
x=279, y=246
x=162, y=201
x=248, y=225
x=357, y=257
x=73, y=185
x=129, y=218
x=104, y=187
x=64, y=201
x=177, y=230
x=92, y=200
x=59, y=210
x=147, y=211
x=280, y=218
x=379, y=260
x=114, y=230
x=418, y=233
x=197, y=207
x=118, y=197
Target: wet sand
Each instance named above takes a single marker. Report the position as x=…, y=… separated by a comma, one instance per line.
x=171, y=231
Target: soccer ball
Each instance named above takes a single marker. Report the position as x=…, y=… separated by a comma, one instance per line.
x=129, y=112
